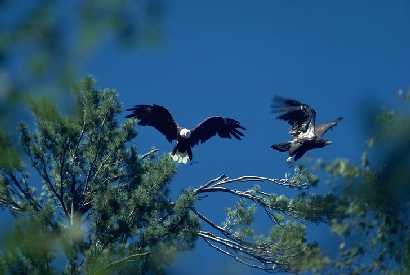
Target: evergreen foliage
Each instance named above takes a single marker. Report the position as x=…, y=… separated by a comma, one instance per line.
x=374, y=228
x=95, y=204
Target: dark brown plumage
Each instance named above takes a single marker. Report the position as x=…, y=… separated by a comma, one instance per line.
x=160, y=118
x=298, y=115
x=157, y=117
x=302, y=119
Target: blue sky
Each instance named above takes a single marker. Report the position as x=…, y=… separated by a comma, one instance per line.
x=230, y=57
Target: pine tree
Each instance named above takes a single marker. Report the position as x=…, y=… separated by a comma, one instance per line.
x=95, y=200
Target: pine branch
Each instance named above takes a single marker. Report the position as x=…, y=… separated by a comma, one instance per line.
x=129, y=258
x=27, y=194
x=87, y=179
x=62, y=165
x=12, y=205
x=44, y=174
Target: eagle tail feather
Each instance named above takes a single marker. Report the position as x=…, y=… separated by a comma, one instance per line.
x=281, y=147
x=181, y=154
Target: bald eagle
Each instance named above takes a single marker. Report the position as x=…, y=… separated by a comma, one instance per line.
x=305, y=134
x=160, y=118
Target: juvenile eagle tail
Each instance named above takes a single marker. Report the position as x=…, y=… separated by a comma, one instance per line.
x=281, y=147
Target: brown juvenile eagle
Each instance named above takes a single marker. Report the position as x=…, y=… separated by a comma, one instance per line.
x=306, y=135
x=161, y=119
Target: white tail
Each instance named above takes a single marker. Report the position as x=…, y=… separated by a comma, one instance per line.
x=180, y=157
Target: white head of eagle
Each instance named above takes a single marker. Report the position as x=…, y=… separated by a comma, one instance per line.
x=185, y=133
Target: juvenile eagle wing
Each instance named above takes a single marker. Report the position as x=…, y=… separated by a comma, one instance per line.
x=323, y=128
x=301, y=117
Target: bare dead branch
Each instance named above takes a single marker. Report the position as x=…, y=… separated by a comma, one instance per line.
x=228, y=234
x=268, y=256
x=256, y=258
x=211, y=223
x=223, y=180
x=149, y=153
x=261, y=198
x=239, y=259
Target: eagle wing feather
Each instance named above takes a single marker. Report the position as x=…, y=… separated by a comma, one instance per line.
x=221, y=126
x=301, y=117
x=323, y=128
x=156, y=116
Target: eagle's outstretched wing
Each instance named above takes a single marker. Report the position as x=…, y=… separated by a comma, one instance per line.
x=301, y=117
x=157, y=117
x=323, y=128
x=224, y=127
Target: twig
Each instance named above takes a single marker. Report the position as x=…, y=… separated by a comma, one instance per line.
x=283, y=182
x=225, y=232
x=87, y=178
x=126, y=259
x=213, y=181
x=26, y=193
x=149, y=153
x=211, y=223
x=238, y=259
x=62, y=164
x=263, y=256
x=47, y=179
